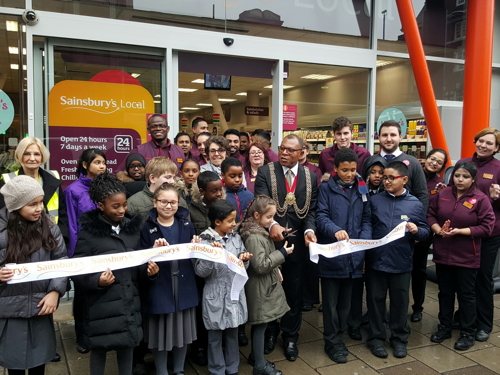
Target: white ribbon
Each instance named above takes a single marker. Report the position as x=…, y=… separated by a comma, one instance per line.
x=79, y=266
x=351, y=246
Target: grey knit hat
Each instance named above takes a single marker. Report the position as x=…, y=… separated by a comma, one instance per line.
x=19, y=191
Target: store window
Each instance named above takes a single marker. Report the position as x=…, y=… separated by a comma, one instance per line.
x=13, y=124
x=316, y=95
x=441, y=24
x=100, y=98
x=335, y=22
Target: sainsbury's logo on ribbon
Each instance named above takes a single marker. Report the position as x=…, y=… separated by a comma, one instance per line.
x=80, y=266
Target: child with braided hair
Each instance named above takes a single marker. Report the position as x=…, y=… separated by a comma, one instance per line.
x=112, y=319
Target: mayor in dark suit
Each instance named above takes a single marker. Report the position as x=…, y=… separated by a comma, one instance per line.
x=294, y=189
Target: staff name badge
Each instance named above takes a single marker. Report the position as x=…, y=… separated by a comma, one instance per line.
x=488, y=176
x=468, y=205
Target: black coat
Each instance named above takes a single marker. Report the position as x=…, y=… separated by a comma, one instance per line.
x=263, y=187
x=112, y=318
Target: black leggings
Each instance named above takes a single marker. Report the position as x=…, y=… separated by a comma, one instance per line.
x=39, y=370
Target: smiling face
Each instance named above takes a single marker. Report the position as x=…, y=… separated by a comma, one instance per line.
x=234, y=143
x=200, y=142
x=389, y=138
x=343, y=137
x=346, y=171
x=486, y=146
x=233, y=178
x=32, y=158
x=396, y=186
x=462, y=179
x=266, y=219
x=217, y=154
x=33, y=210
x=201, y=127
x=136, y=170
x=256, y=156
x=166, y=204
x=190, y=172
x=244, y=142
x=114, y=207
x=158, y=128
x=223, y=227
x=435, y=162
x=184, y=142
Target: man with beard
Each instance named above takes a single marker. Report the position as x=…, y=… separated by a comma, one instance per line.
x=233, y=137
x=183, y=140
x=199, y=126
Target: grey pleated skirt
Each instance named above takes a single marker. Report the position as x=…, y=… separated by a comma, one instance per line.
x=27, y=343
x=168, y=330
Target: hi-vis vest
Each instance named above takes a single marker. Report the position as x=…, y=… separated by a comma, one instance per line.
x=52, y=207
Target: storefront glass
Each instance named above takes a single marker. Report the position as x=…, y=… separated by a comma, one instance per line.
x=13, y=124
x=335, y=22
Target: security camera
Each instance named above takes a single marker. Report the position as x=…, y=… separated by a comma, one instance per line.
x=228, y=41
x=30, y=17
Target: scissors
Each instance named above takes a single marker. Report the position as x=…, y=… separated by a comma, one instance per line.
x=286, y=233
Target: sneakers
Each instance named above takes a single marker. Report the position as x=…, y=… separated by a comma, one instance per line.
x=338, y=353
x=441, y=335
x=465, y=341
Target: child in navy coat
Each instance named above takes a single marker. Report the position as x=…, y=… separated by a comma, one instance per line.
x=236, y=192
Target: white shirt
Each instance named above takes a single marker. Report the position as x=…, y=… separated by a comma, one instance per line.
x=294, y=169
x=396, y=153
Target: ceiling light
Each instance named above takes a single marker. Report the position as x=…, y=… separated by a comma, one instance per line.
x=158, y=96
x=242, y=94
x=182, y=111
x=383, y=63
x=284, y=87
x=135, y=75
x=199, y=80
x=16, y=66
x=188, y=90
x=190, y=108
x=227, y=100
x=318, y=76
x=15, y=50
x=204, y=104
x=11, y=25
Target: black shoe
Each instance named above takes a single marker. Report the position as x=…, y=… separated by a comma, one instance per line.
x=251, y=361
x=242, y=338
x=441, y=335
x=307, y=307
x=57, y=358
x=269, y=344
x=482, y=335
x=199, y=357
x=320, y=307
x=291, y=351
x=456, y=325
x=465, y=341
x=364, y=319
x=81, y=349
x=416, y=316
x=400, y=350
x=267, y=370
x=338, y=353
x=379, y=351
x=140, y=369
x=354, y=333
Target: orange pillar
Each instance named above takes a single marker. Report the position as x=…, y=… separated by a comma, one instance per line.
x=421, y=73
x=477, y=71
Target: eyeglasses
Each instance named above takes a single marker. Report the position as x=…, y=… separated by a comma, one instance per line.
x=219, y=151
x=154, y=127
x=434, y=160
x=136, y=166
x=256, y=153
x=390, y=178
x=288, y=150
x=163, y=203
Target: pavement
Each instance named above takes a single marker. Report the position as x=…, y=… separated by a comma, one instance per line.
x=424, y=357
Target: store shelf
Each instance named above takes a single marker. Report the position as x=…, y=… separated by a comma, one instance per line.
x=316, y=140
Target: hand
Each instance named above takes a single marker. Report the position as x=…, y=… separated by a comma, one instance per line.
x=245, y=256
x=310, y=237
x=412, y=228
x=451, y=232
x=49, y=303
x=288, y=250
x=439, y=186
x=276, y=232
x=107, y=278
x=494, y=191
x=280, y=276
x=445, y=227
x=6, y=274
x=217, y=244
x=341, y=235
x=153, y=268
x=196, y=239
x=160, y=242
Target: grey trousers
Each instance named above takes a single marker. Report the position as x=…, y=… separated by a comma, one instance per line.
x=223, y=361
